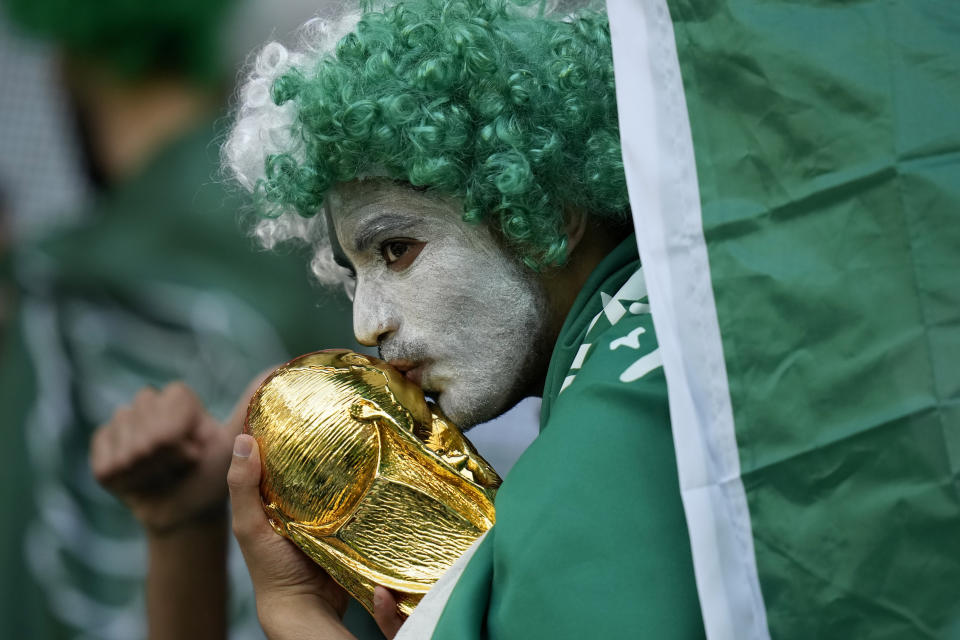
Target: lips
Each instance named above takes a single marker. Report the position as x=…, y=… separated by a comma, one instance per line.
x=412, y=371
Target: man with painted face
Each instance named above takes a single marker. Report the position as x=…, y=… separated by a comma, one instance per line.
x=456, y=165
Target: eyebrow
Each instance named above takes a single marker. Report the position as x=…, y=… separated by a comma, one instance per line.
x=380, y=225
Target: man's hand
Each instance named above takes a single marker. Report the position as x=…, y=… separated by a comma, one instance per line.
x=295, y=597
x=166, y=458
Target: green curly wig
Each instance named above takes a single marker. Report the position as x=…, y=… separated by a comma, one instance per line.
x=512, y=112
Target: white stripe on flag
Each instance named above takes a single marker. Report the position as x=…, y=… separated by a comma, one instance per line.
x=664, y=195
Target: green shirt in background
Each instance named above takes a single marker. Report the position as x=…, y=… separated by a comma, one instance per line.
x=159, y=283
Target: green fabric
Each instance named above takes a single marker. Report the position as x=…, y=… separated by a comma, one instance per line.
x=590, y=539
x=22, y=601
x=827, y=146
x=159, y=283
x=132, y=37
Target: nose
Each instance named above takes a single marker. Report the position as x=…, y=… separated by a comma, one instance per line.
x=374, y=316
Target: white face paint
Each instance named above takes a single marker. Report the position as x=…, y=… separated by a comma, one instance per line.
x=441, y=297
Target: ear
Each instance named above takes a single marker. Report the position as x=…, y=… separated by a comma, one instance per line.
x=575, y=225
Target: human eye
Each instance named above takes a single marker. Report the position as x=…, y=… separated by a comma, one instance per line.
x=399, y=253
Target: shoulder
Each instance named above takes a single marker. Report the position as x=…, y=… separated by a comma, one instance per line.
x=593, y=509
x=612, y=403
x=619, y=347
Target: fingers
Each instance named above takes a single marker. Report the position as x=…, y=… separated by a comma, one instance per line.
x=243, y=479
x=278, y=569
x=172, y=417
x=266, y=554
x=116, y=445
x=148, y=437
x=385, y=612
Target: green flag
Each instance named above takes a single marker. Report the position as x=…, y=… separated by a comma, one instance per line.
x=794, y=173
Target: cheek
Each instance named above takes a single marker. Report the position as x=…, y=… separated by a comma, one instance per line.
x=463, y=272
x=488, y=308
x=466, y=306
x=440, y=289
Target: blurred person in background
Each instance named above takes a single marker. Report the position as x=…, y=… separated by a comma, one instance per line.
x=153, y=282
x=6, y=286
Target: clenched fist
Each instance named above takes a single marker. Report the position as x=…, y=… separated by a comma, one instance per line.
x=166, y=458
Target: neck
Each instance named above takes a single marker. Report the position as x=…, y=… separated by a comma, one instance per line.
x=128, y=121
x=564, y=285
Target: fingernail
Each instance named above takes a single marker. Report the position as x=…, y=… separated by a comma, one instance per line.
x=242, y=446
x=377, y=597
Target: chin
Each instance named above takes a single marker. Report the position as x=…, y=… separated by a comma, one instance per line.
x=467, y=410
x=459, y=415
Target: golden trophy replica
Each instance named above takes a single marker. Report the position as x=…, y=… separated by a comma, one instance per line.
x=366, y=476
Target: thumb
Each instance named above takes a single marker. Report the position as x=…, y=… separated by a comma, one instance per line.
x=385, y=612
x=243, y=479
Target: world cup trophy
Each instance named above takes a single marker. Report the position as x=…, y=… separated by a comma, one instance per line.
x=366, y=475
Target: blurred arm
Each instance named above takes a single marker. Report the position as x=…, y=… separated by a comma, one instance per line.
x=187, y=581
